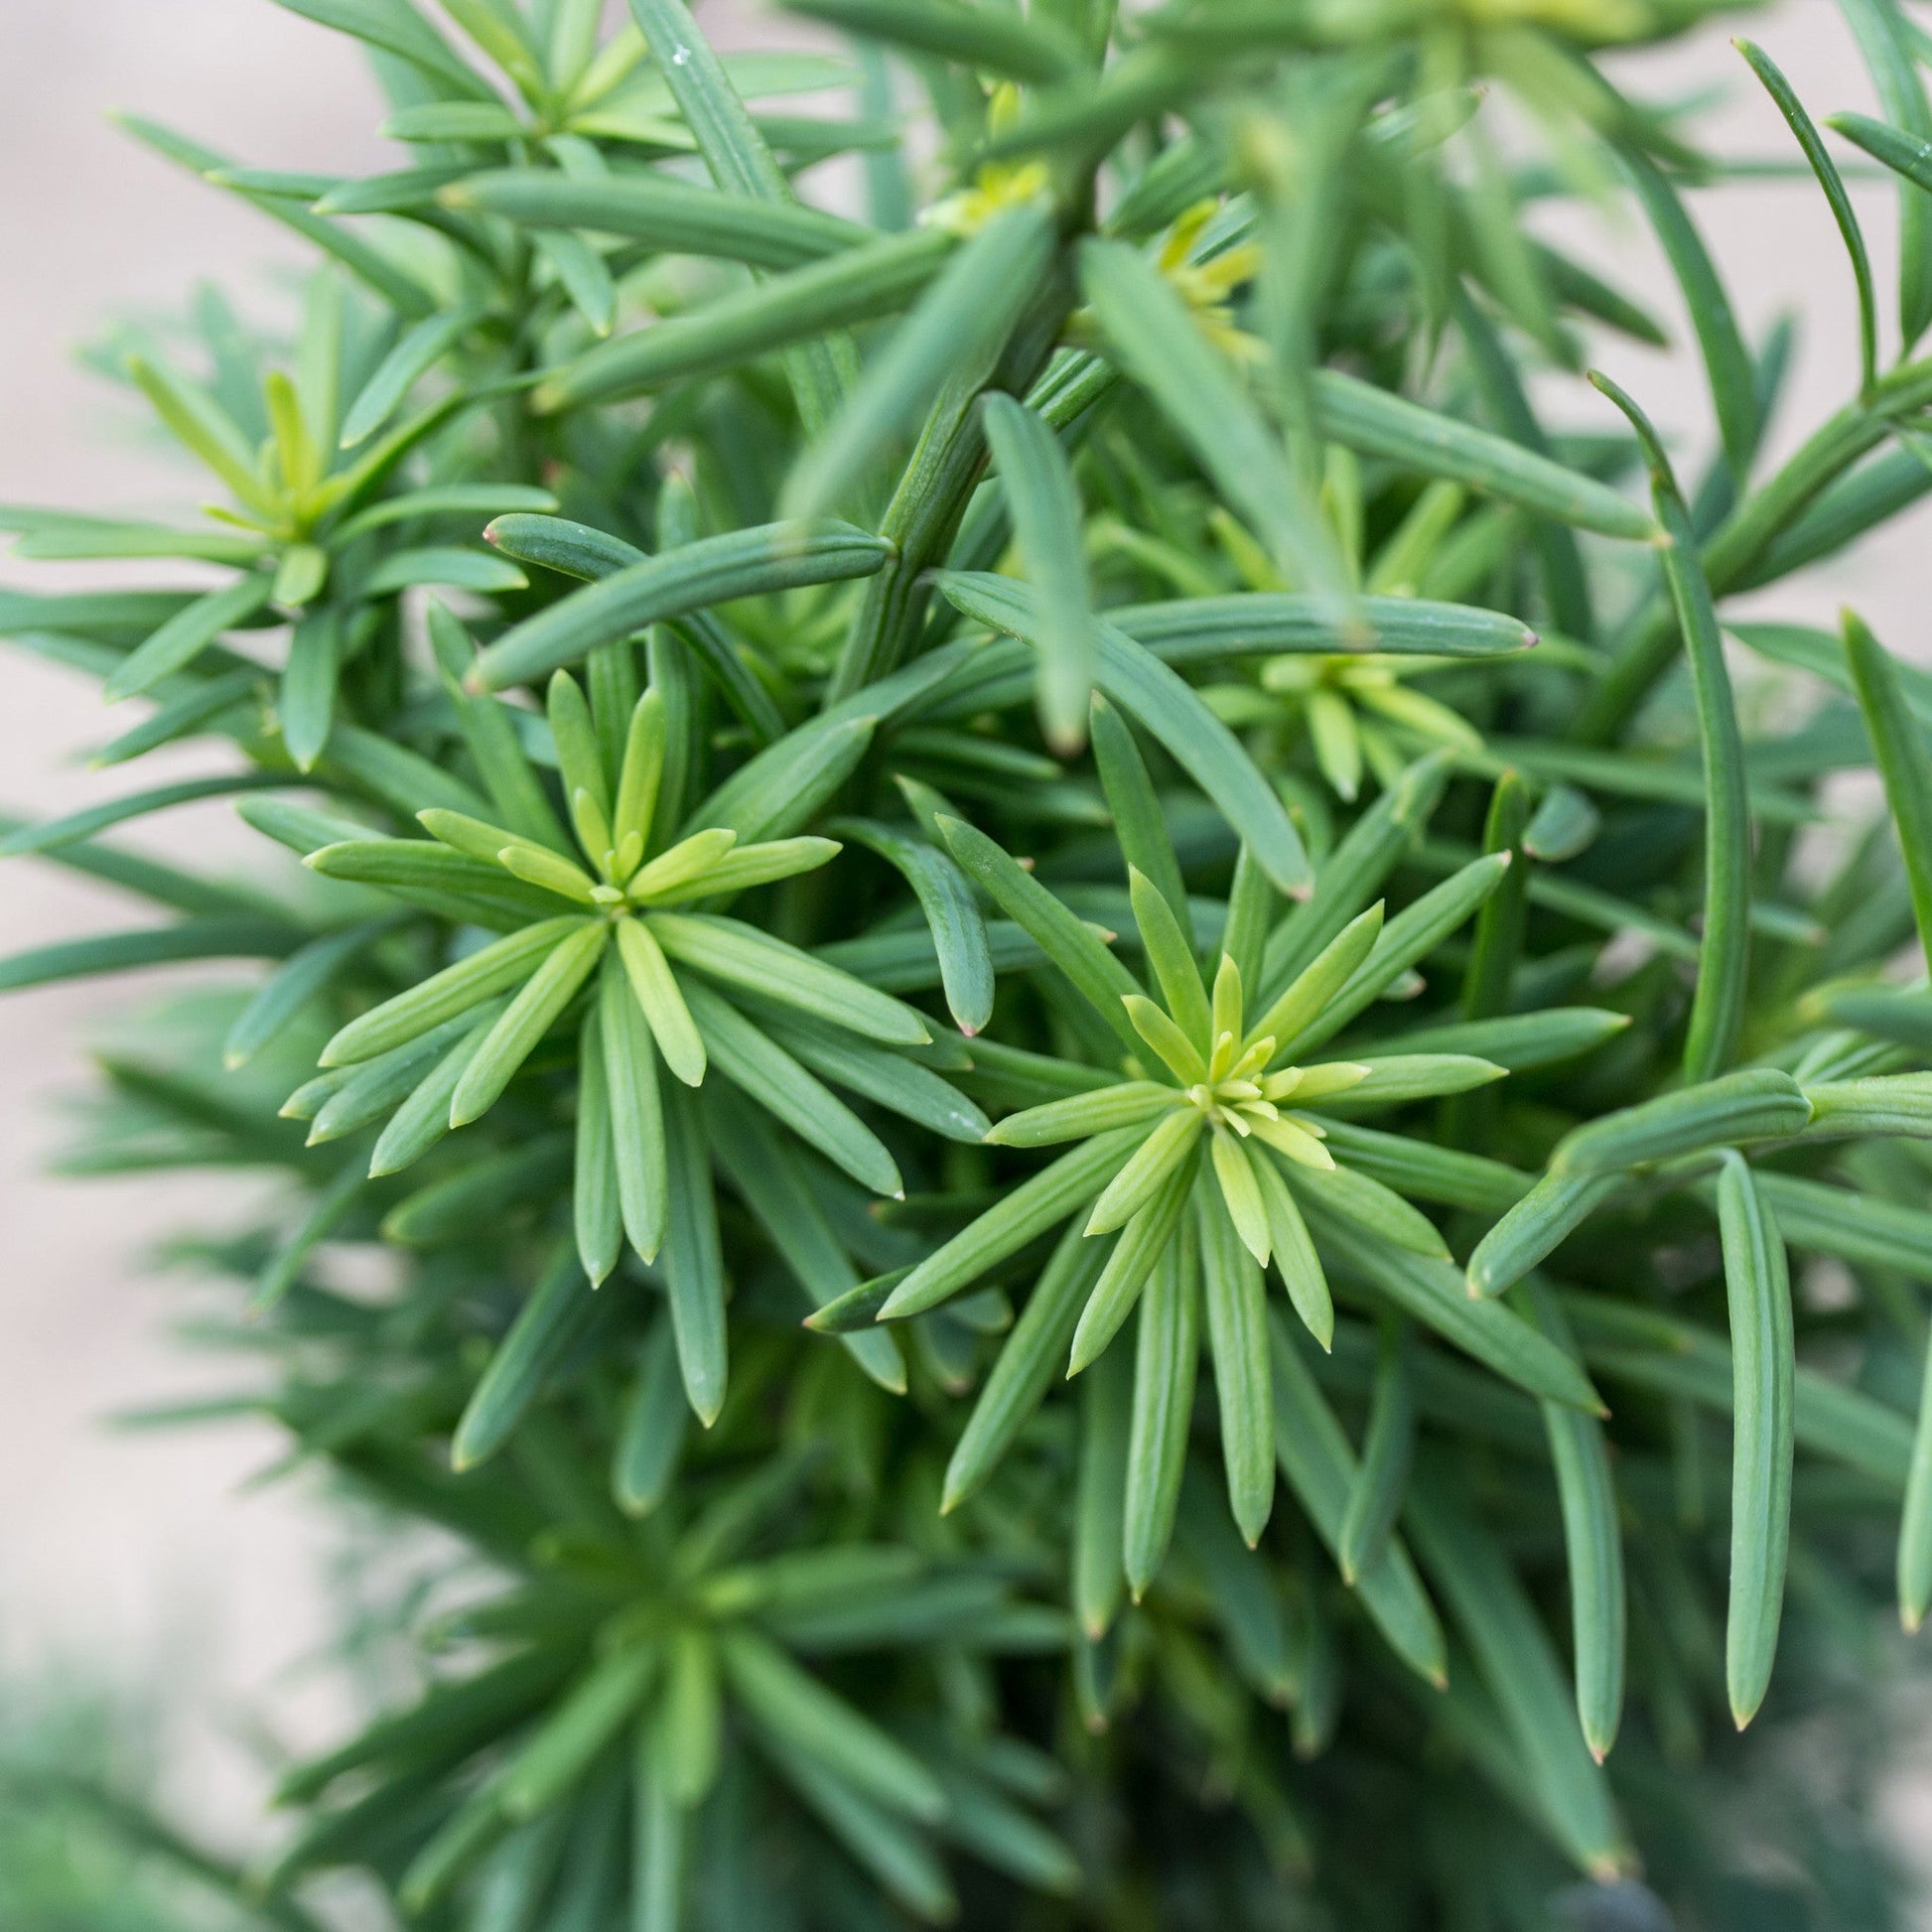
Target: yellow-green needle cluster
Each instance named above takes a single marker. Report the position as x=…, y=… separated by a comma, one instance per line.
x=1357, y=712
x=1221, y=1089
x=1191, y=1174
x=603, y=906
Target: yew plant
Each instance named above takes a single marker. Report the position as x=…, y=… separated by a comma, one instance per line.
x=1149, y=1149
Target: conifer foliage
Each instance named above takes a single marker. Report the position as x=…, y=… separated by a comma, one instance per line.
x=1152, y=1152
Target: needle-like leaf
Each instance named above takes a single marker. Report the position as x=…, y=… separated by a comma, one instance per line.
x=1045, y=506
x=1724, y=959
x=1166, y=1356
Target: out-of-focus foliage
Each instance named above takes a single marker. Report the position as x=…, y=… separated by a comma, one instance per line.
x=82, y=1849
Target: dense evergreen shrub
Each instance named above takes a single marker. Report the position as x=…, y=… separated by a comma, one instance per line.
x=1116, y=788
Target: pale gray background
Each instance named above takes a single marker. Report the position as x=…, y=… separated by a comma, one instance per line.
x=151, y=1549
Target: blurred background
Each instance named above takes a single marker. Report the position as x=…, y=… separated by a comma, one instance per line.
x=157, y=1557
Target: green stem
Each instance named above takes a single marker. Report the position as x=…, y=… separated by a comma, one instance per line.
x=1650, y=642
x=926, y=510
